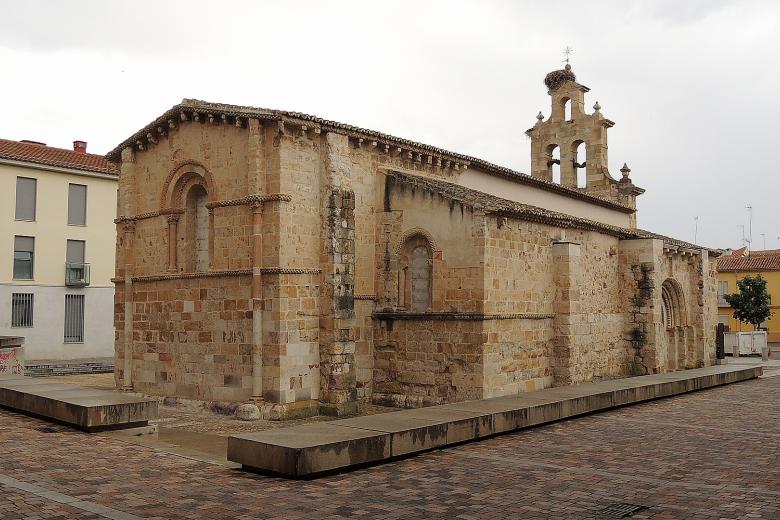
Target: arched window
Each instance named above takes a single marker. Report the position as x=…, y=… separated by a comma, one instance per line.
x=566, y=102
x=579, y=152
x=416, y=274
x=197, y=245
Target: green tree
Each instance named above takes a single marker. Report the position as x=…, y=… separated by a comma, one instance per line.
x=751, y=303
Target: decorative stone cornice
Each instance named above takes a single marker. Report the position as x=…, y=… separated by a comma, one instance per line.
x=217, y=274
x=244, y=201
x=459, y=316
x=150, y=214
x=199, y=111
x=185, y=276
x=251, y=199
x=290, y=270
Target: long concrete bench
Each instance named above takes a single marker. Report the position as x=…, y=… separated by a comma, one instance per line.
x=83, y=408
x=311, y=449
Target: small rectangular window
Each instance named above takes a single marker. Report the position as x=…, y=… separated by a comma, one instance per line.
x=21, y=309
x=723, y=290
x=24, y=256
x=74, y=318
x=77, y=205
x=25, y=198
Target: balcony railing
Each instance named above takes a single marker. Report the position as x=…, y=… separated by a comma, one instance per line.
x=76, y=275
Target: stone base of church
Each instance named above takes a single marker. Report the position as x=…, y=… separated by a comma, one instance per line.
x=297, y=410
x=340, y=409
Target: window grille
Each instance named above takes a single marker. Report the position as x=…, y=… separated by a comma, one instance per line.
x=74, y=318
x=21, y=309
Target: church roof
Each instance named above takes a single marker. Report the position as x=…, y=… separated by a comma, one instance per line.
x=744, y=260
x=503, y=207
x=39, y=153
x=205, y=108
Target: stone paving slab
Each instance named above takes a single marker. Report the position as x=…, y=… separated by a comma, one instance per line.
x=87, y=409
x=309, y=450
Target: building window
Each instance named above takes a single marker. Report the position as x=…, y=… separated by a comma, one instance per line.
x=21, y=309
x=74, y=318
x=416, y=274
x=25, y=198
x=77, y=205
x=723, y=290
x=76, y=270
x=197, y=229
x=24, y=255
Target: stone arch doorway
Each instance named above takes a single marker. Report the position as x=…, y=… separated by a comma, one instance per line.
x=674, y=323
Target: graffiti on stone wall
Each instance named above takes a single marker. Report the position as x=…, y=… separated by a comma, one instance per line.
x=11, y=361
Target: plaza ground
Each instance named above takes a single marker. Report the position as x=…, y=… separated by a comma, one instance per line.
x=707, y=455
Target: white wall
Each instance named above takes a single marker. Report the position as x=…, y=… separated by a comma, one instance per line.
x=45, y=339
x=526, y=194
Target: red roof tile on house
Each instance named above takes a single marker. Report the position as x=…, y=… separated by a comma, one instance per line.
x=742, y=260
x=51, y=156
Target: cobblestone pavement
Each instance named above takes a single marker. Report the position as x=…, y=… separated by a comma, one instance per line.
x=708, y=455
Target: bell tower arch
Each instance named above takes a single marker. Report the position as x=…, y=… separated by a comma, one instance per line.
x=581, y=138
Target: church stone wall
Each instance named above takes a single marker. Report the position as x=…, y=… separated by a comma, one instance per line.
x=304, y=301
x=191, y=338
x=430, y=361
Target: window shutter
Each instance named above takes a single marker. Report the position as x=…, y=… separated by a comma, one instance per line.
x=25, y=198
x=77, y=204
x=75, y=252
x=24, y=244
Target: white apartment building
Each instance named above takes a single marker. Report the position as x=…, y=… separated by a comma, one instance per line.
x=57, y=248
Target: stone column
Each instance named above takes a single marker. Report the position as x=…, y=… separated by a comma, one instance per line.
x=173, y=221
x=566, y=306
x=127, y=205
x=256, y=178
x=211, y=239
x=257, y=301
x=338, y=389
x=128, y=235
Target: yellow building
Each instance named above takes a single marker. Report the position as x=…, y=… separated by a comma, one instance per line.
x=739, y=264
x=57, y=209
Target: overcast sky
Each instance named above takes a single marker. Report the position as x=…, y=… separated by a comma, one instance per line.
x=692, y=85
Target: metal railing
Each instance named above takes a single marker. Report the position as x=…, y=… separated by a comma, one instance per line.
x=76, y=274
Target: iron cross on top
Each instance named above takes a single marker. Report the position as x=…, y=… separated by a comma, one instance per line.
x=567, y=52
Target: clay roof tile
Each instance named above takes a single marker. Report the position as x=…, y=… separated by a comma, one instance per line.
x=50, y=156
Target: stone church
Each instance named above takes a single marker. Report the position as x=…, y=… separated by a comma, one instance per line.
x=308, y=266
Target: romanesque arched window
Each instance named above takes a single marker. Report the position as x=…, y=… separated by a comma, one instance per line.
x=416, y=274
x=197, y=229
